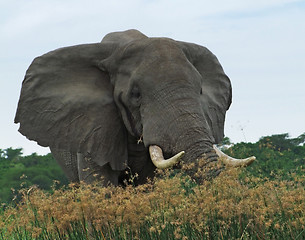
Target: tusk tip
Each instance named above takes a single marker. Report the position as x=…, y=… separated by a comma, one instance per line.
x=252, y=159
x=180, y=154
x=248, y=161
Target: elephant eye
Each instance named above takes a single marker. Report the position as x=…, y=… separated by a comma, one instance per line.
x=200, y=91
x=135, y=93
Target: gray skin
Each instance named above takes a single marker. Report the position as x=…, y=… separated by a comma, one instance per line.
x=100, y=106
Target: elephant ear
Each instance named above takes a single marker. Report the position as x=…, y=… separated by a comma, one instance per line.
x=66, y=103
x=216, y=87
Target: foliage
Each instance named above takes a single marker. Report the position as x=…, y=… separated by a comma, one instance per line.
x=277, y=156
x=166, y=208
x=17, y=171
x=263, y=201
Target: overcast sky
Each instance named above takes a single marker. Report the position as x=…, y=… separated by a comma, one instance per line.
x=260, y=44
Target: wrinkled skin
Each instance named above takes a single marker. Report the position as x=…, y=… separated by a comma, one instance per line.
x=100, y=106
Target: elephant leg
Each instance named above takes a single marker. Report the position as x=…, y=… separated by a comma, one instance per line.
x=68, y=162
x=89, y=171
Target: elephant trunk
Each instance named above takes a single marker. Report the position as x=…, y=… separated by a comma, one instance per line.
x=183, y=130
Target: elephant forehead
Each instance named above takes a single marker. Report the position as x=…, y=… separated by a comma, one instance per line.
x=150, y=52
x=160, y=56
x=151, y=48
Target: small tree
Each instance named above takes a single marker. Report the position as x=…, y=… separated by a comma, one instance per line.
x=12, y=154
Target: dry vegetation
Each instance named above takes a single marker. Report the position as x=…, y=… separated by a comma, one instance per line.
x=171, y=207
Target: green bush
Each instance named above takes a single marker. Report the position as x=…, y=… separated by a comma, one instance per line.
x=277, y=155
x=17, y=172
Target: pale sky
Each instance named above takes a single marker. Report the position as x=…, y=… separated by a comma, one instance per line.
x=260, y=44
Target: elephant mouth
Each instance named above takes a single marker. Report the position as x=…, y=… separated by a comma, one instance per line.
x=130, y=119
x=156, y=155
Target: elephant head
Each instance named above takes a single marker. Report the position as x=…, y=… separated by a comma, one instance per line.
x=104, y=106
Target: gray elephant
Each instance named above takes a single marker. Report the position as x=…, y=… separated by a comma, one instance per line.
x=125, y=103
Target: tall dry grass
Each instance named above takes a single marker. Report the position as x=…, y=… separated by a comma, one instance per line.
x=171, y=207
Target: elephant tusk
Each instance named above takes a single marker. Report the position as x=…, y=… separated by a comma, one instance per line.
x=233, y=162
x=158, y=160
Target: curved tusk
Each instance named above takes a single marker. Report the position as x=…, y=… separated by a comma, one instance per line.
x=233, y=162
x=158, y=160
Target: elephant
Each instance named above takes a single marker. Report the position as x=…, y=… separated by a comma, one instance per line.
x=127, y=102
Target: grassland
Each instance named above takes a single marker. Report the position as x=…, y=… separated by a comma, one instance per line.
x=263, y=201
x=231, y=206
